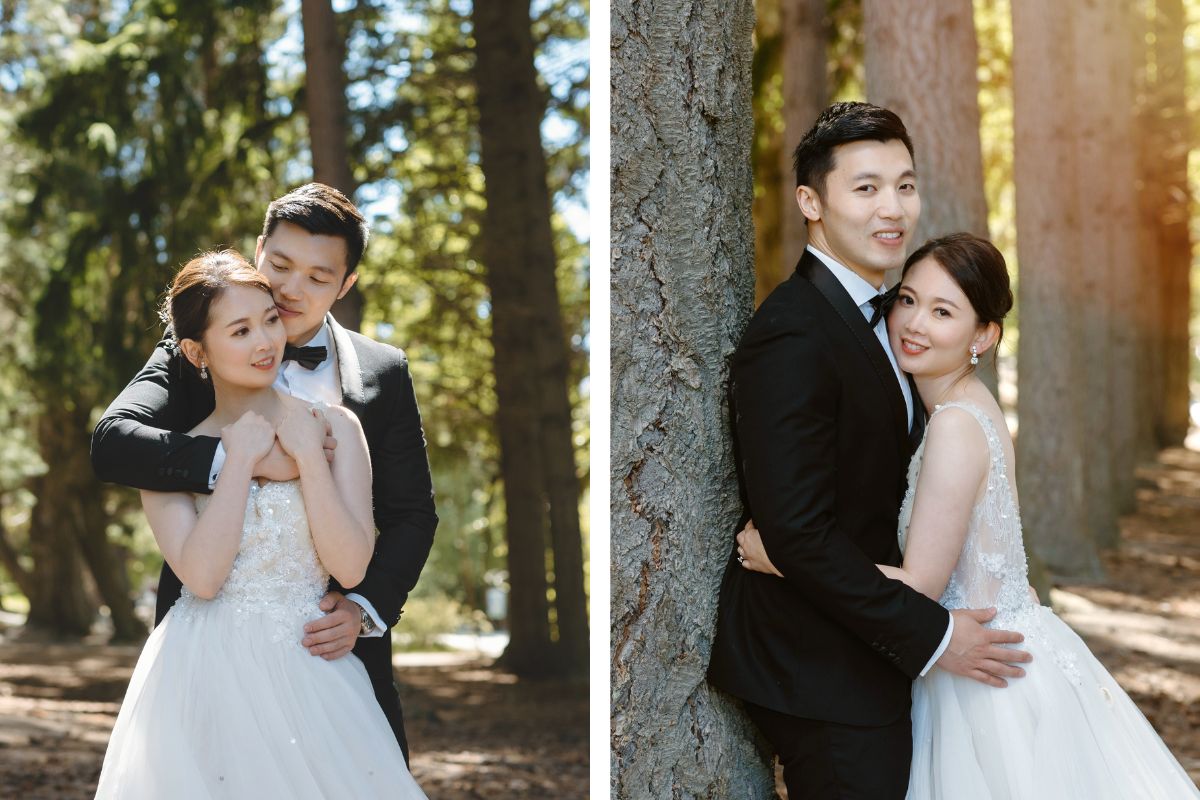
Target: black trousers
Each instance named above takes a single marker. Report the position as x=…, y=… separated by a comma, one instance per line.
x=831, y=761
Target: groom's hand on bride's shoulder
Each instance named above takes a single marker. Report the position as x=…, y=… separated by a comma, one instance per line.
x=978, y=653
x=333, y=635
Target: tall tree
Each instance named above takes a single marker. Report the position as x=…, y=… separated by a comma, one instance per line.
x=682, y=286
x=325, y=102
x=1051, y=447
x=1173, y=217
x=925, y=70
x=804, y=33
x=531, y=356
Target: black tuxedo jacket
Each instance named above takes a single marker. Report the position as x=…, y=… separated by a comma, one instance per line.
x=822, y=446
x=136, y=443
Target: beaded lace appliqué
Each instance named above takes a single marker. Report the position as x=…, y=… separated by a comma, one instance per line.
x=276, y=572
x=991, y=570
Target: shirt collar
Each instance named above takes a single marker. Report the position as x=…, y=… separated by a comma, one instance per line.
x=859, y=290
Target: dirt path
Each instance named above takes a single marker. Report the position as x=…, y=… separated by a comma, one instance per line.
x=1143, y=623
x=475, y=732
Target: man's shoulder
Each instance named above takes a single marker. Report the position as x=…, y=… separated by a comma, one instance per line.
x=789, y=308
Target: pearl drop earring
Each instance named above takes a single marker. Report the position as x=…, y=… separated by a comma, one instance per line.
x=204, y=371
x=974, y=356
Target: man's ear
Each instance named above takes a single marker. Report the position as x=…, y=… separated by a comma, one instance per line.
x=349, y=281
x=258, y=248
x=809, y=202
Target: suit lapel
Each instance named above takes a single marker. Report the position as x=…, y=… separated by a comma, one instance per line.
x=349, y=369
x=819, y=275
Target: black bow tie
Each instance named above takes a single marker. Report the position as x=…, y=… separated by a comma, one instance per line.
x=878, y=302
x=882, y=303
x=307, y=357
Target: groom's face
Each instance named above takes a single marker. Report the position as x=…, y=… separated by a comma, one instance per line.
x=307, y=272
x=868, y=208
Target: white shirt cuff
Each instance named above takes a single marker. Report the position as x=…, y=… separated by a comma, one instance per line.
x=941, y=647
x=218, y=462
x=380, y=628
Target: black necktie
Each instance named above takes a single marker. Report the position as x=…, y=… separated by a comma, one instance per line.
x=877, y=303
x=307, y=357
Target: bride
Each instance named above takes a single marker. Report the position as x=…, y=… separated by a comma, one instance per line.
x=224, y=701
x=1066, y=730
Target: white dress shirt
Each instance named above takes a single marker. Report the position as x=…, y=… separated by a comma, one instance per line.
x=861, y=293
x=320, y=385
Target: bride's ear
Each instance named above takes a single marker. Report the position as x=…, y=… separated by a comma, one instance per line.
x=986, y=337
x=193, y=351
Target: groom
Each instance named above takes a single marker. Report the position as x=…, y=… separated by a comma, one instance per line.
x=825, y=425
x=312, y=240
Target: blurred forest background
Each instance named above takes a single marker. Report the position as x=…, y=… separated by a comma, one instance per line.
x=1068, y=133
x=135, y=133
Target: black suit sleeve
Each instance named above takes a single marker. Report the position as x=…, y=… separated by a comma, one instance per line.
x=403, y=496
x=786, y=400
x=136, y=441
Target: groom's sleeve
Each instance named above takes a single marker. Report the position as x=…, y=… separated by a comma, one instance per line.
x=786, y=400
x=136, y=441
x=403, y=496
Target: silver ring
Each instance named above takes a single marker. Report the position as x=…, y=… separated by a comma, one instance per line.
x=741, y=559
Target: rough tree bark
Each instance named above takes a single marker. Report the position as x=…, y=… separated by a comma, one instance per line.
x=325, y=102
x=1051, y=447
x=925, y=71
x=682, y=292
x=530, y=346
x=804, y=34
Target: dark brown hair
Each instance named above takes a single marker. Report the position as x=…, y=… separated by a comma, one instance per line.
x=843, y=123
x=322, y=210
x=979, y=270
x=197, y=286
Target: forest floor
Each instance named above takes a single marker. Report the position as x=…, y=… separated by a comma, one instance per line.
x=1143, y=621
x=475, y=731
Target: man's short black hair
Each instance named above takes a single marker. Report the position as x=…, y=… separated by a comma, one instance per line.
x=321, y=210
x=840, y=124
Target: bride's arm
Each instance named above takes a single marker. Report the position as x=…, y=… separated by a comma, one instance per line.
x=953, y=469
x=201, y=549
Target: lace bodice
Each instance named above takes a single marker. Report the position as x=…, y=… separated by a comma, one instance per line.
x=992, y=568
x=276, y=571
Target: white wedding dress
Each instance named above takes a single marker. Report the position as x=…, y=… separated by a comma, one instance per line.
x=225, y=702
x=1065, y=730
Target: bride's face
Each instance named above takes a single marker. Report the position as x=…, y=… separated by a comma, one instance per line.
x=243, y=344
x=932, y=325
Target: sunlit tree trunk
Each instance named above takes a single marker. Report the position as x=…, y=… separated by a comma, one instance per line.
x=325, y=102
x=1052, y=445
x=534, y=411
x=682, y=291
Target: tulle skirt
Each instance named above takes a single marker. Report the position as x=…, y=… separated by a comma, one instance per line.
x=223, y=703
x=1065, y=730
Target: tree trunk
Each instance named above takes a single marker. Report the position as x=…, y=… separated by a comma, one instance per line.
x=769, y=103
x=682, y=290
x=1174, y=240
x=805, y=31
x=1095, y=193
x=527, y=324
x=925, y=70
x=106, y=563
x=1051, y=449
x=325, y=101
x=10, y=559
x=59, y=602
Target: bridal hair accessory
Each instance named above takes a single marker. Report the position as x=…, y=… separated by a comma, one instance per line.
x=974, y=356
x=203, y=371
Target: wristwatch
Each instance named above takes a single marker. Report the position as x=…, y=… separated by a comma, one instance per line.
x=366, y=624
